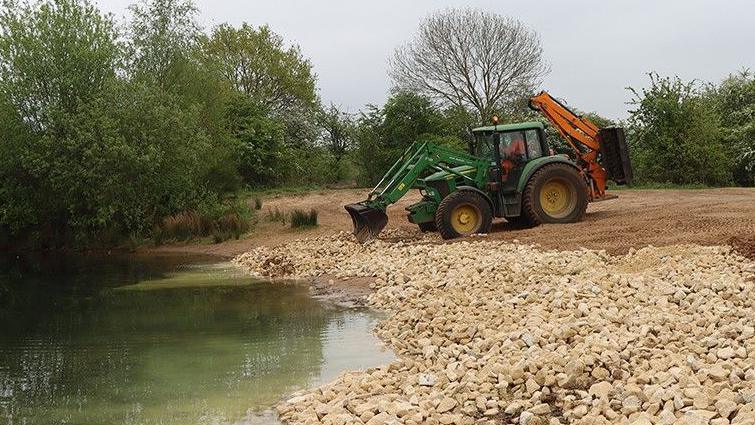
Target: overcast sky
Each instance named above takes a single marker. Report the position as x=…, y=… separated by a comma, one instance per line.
x=595, y=48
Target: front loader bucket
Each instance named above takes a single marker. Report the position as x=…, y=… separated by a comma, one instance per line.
x=368, y=221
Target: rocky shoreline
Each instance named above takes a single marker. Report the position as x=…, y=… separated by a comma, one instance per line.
x=496, y=332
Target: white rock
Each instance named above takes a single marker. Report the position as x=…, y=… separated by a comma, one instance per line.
x=526, y=418
x=427, y=379
x=446, y=405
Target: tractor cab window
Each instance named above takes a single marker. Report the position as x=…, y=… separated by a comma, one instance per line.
x=484, y=143
x=512, y=147
x=534, y=144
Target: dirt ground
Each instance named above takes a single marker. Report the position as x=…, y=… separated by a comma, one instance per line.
x=637, y=218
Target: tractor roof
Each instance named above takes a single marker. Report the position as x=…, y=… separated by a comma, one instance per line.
x=511, y=127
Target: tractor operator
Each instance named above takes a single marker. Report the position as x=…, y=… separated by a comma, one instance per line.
x=512, y=153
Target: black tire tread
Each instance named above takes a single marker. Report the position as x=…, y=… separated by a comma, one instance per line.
x=446, y=232
x=529, y=210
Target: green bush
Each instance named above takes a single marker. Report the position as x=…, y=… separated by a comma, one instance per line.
x=734, y=101
x=301, y=218
x=675, y=135
x=383, y=134
x=92, y=152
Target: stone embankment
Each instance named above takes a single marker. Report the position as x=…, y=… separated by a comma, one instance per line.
x=495, y=332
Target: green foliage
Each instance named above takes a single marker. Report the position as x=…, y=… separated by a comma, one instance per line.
x=734, y=101
x=284, y=190
x=55, y=57
x=675, y=135
x=164, y=37
x=110, y=137
x=261, y=151
x=271, y=112
x=93, y=152
x=258, y=64
x=301, y=218
x=337, y=132
x=599, y=120
x=382, y=134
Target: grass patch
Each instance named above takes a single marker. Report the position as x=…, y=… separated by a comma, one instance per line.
x=301, y=218
x=227, y=221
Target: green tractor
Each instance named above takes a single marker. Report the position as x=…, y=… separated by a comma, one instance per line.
x=513, y=175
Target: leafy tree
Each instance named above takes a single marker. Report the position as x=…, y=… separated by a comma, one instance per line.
x=258, y=64
x=337, y=135
x=675, y=135
x=383, y=134
x=734, y=100
x=54, y=57
x=164, y=38
x=165, y=50
x=277, y=81
x=91, y=153
x=261, y=151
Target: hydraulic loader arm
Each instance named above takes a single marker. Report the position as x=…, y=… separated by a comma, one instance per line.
x=581, y=134
x=413, y=164
x=369, y=216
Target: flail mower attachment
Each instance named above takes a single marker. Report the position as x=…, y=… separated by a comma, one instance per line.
x=368, y=221
x=615, y=154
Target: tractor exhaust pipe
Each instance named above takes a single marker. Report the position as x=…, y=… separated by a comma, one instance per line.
x=368, y=221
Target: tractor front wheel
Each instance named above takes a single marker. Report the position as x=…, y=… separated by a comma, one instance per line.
x=463, y=213
x=556, y=193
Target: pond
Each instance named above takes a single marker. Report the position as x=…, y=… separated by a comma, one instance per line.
x=163, y=340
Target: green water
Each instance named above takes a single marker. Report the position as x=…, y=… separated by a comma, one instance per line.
x=163, y=340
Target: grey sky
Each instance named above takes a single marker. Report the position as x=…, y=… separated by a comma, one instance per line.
x=595, y=48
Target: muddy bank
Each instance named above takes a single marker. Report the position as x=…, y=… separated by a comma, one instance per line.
x=495, y=332
x=343, y=292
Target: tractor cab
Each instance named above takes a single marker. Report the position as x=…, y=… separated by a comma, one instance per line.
x=510, y=147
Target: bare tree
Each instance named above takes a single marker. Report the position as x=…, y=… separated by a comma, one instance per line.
x=470, y=58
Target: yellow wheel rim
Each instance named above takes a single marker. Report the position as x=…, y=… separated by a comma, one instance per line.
x=557, y=199
x=465, y=219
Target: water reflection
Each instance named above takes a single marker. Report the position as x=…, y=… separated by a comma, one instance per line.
x=130, y=341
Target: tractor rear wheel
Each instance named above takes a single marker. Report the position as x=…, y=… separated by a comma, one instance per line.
x=463, y=213
x=556, y=193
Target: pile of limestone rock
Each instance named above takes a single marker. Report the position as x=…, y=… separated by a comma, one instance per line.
x=496, y=332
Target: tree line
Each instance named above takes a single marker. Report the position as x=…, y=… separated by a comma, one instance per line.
x=109, y=130
x=693, y=132
x=118, y=131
